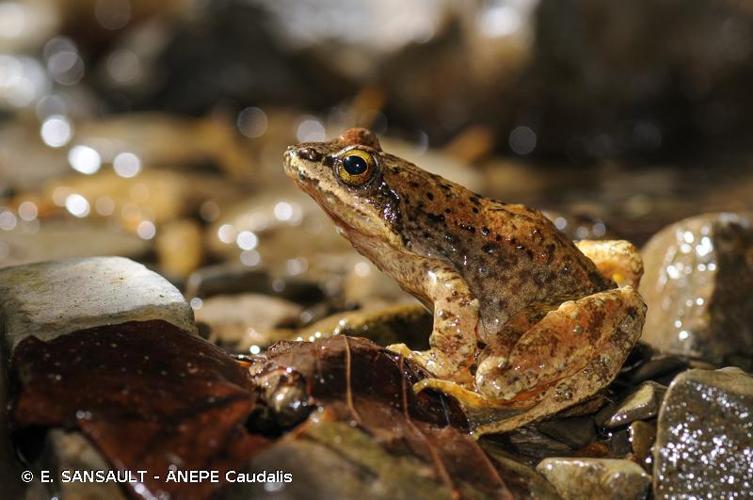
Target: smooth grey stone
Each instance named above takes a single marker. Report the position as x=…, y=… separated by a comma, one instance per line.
x=596, y=478
x=704, y=439
x=641, y=404
x=50, y=299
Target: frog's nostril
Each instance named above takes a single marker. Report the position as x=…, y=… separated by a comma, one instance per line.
x=309, y=154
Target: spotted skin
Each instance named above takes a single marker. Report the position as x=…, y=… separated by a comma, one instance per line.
x=517, y=307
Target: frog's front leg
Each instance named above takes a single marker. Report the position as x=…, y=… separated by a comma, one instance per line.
x=570, y=354
x=453, y=338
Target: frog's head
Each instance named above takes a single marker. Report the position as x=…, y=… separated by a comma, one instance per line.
x=346, y=178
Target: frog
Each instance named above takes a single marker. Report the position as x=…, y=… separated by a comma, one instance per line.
x=523, y=319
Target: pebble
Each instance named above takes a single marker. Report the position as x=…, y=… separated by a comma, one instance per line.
x=641, y=404
x=642, y=436
x=596, y=478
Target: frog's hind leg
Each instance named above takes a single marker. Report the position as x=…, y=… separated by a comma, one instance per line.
x=570, y=354
x=453, y=339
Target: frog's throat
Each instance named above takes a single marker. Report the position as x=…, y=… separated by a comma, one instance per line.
x=354, y=234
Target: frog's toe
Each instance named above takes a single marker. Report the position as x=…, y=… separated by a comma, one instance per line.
x=467, y=398
x=616, y=260
x=401, y=349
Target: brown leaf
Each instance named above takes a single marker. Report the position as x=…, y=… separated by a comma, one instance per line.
x=147, y=394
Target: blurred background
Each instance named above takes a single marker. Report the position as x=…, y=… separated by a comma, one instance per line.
x=154, y=130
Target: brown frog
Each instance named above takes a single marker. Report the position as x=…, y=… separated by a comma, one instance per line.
x=523, y=319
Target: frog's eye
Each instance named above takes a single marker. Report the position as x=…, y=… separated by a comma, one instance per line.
x=356, y=167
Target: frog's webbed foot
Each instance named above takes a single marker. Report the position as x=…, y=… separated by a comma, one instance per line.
x=617, y=260
x=434, y=362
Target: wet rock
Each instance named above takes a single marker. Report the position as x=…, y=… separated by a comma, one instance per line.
x=641, y=404
x=612, y=479
x=704, y=440
x=36, y=242
x=575, y=432
x=247, y=322
x=699, y=273
x=51, y=299
x=642, y=436
x=619, y=443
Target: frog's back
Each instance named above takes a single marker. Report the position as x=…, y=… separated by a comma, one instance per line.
x=510, y=256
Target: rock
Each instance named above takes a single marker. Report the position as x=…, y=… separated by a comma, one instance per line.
x=575, y=432
x=642, y=436
x=641, y=404
x=36, y=242
x=704, y=439
x=596, y=478
x=699, y=274
x=619, y=443
x=51, y=299
x=247, y=322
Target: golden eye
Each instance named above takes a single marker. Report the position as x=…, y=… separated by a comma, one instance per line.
x=357, y=167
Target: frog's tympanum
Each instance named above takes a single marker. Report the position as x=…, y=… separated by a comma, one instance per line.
x=523, y=319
